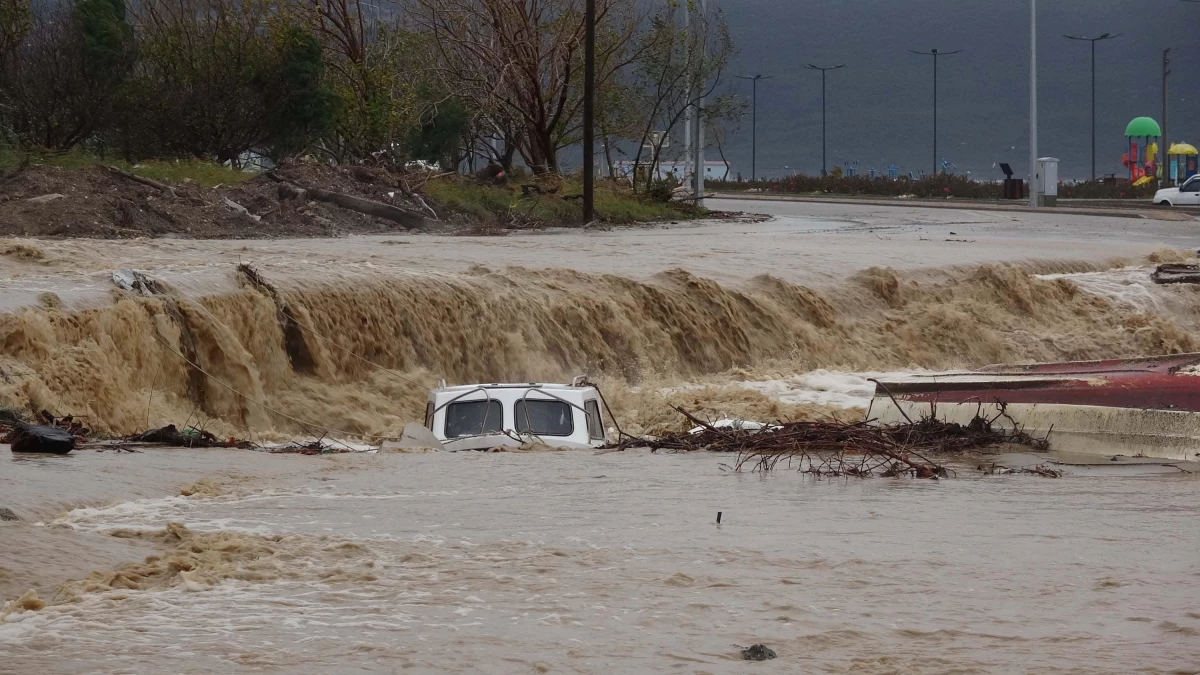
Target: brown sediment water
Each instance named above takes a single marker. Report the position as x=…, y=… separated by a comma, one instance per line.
x=199, y=561
x=576, y=562
x=288, y=355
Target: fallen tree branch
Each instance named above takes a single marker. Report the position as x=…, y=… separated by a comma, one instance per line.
x=149, y=182
x=369, y=207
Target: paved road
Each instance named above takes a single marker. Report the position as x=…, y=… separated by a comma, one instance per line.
x=810, y=243
x=1086, y=207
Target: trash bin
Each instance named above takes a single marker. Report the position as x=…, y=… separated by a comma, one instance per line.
x=1014, y=188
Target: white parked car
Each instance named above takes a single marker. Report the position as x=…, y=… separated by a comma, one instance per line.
x=1187, y=194
x=485, y=416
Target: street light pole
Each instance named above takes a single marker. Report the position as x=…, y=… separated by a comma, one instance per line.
x=935, y=54
x=1164, y=145
x=754, y=121
x=823, y=71
x=1093, y=40
x=1033, y=93
x=589, y=111
x=698, y=136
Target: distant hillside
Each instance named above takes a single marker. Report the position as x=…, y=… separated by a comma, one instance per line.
x=880, y=104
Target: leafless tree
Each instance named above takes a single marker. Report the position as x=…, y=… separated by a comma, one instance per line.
x=49, y=97
x=523, y=60
x=676, y=70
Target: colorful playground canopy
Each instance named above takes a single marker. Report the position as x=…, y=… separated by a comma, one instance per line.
x=1142, y=127
x=1182, y=149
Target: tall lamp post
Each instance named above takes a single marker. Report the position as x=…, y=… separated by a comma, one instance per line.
x=1033, y=108
x=935, y=54
x=754, y=121
x=589, y=111
x=1093, y=40
x=823, y=71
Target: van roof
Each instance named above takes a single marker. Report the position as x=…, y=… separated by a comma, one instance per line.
x=514, y=385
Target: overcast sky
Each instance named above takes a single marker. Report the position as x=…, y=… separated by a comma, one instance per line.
x=880, y=105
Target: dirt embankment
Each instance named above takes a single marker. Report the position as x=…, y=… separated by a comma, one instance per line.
x=46, y=201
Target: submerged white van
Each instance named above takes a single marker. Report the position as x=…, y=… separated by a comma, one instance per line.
x=484, y=416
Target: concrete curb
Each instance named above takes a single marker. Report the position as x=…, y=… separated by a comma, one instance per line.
x=1158, y=213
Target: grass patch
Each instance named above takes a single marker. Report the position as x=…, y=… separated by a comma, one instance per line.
x=207, y=174
x=614, y=204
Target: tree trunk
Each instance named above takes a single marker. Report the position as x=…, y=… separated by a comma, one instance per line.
x=368, y=207
x=539, y=152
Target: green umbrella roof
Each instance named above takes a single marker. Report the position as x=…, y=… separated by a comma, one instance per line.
x=1142, y=126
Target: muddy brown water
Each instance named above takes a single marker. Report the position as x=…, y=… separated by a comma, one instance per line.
x=575, y=562
x=582, y=563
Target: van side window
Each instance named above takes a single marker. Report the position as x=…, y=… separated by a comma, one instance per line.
x=429, y=416
x=544, y=418
x=595, y=424
x=473, y=418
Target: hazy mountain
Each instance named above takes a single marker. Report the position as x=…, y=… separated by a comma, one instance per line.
x=880, y=105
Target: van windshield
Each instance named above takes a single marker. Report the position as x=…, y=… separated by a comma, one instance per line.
x=473, y=418
x=544, y=418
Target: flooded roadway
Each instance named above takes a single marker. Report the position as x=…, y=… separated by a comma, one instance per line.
x=575, y=562
x=582, y=563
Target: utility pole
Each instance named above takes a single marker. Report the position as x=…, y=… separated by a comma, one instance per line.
x=823, y=71
x=687, y=111
x=754, y=121
x=935, y=54
x=1164, y=144
x=589, y=112
x=1093, y=40
x=701, y=31
x=1033, y=96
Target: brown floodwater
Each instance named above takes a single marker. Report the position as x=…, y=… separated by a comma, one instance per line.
x=242, y=562
x=590, y=563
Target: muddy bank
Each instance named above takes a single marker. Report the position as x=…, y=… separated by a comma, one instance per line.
x=299, y=199
x=285, y=354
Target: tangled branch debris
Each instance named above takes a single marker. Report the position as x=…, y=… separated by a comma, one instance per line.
x=312, y=447
x=833, y=448
x=12, y=418
x=189, y=438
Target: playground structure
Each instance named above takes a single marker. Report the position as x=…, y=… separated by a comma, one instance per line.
x=1141, y=159
x=1143, y=140
x=1181, y=162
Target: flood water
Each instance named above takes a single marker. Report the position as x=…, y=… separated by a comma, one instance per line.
x=231, y=561
x=575, y=562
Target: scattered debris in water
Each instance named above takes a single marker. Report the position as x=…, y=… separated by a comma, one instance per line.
x=833, y=448
x=1176, y=273
x=1036, y=470
x=40, y=438
x=188, y=438
x=317, y=446
x=12, y=418
x=758, y=652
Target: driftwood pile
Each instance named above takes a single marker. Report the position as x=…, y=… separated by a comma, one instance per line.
x=833, y=448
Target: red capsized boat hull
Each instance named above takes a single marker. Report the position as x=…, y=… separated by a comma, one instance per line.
x=1155, y=383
